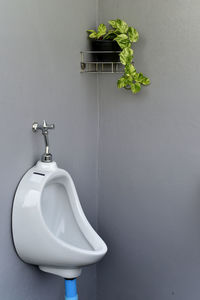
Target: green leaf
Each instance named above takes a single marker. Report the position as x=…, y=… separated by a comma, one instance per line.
x=139, y=77
x=130, y=69
x=112, y=23
x=120, y=25
x=135, y=87
x=93, y=35
x=128, y=79
x=133, y=34
x=146, y=81
x=123, y=41
x=126, y=56
x=101, y=30
x=121, y=82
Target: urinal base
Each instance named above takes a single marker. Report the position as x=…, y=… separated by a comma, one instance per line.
x=65, y=273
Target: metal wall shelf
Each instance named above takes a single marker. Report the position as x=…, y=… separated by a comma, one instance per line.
x=88, y=65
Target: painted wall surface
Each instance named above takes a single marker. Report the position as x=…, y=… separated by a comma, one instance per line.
x=149, y=200
x=40, y=78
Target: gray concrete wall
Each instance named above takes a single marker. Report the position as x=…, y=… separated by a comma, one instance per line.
x=149, y=200
x=39, y=78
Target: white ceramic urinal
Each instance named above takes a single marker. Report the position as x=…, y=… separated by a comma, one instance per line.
x=49, y=226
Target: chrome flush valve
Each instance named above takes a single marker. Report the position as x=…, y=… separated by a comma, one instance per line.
x=47, y=156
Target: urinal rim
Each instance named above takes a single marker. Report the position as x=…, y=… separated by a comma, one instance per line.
x=95, y=252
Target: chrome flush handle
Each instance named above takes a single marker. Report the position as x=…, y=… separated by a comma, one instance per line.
x=47, y=156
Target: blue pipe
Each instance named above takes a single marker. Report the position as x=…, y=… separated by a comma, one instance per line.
x=70, y=289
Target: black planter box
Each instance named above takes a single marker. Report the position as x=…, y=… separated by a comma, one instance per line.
x=105, y=45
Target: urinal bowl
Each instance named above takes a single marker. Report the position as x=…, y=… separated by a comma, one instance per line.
x=49, y=226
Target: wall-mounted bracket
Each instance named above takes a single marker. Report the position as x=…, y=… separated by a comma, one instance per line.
x=88, y=65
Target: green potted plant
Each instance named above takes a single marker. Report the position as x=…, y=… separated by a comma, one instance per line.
x=124, y=35
x=102, y=41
